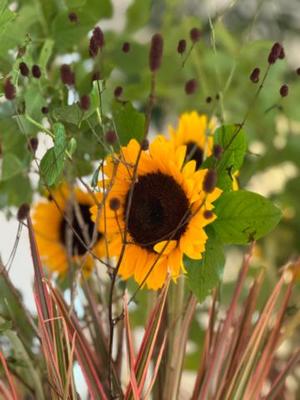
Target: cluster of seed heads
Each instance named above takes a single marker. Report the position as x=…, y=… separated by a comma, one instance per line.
x=276, y=53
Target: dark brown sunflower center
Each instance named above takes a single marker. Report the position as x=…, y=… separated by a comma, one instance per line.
x=81, y=233
x=159, y=210
x=194, y=152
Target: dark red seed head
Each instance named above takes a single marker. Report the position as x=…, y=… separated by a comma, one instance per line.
x=85, y=102
x=9, y=89
x=217, y=96
x=45, y=110
x=23, y=211
x=191, y=86
x=156, y=52
x=274, y=53
x=99, y=37
x=208, y=99
x=73, y=17
x=195, y=35
x=24, y=69
x=145, y=144
x=254, y=76
x=284, y=90
x=114, y=204
x=118, y=91
x=281, y=54
x=96, y=76
x=36, y=71
x=67, y=76
x=33, y=144
x=208, y=214
x=210, y=181
x=298, y=71
x=217, y=151
x=181, y=46
x=111, y=137
x=126, y=47
x=93, y=48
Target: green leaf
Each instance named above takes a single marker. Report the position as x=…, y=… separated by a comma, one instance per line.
x=234, y=143
x=6, y=325
x=128, y=121
x=244, y=216
x=46, y=53
x=67, y=34
x=6, y=16
x=11, y=166
x=70, y=114
x=15, y=191
x=138, y=14
x=52, y=164
x=203, y=275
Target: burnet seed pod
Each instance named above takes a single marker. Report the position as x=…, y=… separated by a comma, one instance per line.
x=23, y=212
x=9, y=89
x=181, y=47
x=254, y=77
x=191, y=86
x=156, y=52
x=210, y=181
x=284, y=90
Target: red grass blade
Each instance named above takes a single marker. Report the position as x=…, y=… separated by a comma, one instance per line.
x=9, y=378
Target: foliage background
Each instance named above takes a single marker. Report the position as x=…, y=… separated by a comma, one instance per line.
x=237, y=36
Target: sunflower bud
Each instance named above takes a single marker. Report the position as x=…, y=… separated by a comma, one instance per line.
x=156, y=52
x=210, y=181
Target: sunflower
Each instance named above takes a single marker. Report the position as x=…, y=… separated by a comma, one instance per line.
x=165, y=211
x=196, y=132
x=64, y=230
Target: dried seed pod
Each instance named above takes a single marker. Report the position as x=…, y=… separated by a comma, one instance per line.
x=156, y=52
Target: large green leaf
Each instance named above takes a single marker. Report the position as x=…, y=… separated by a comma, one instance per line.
x=67, y=34
x=138, y=14
x=11, y=166
x=6, y=16
x=52, y=164
x=234, y=143
x=203, y=275
x=128, y=121
x=244, y=216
